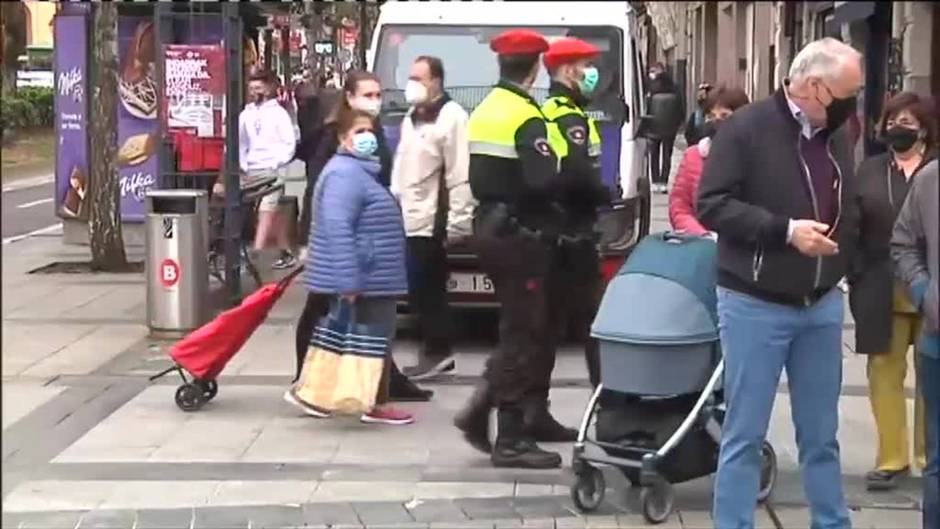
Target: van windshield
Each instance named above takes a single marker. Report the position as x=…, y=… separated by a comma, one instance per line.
x=470, y=66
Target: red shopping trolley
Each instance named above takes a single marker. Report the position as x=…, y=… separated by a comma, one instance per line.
x=205, y=352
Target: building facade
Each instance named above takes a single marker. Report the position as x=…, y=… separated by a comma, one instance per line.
x=751, y=45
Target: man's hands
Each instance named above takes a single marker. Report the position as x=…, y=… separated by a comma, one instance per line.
x=809, y=237
x=350, y=297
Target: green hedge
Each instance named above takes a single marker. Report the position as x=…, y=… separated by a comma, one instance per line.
x=28, y=108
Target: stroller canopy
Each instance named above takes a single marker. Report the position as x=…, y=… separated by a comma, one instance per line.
x=664, y=294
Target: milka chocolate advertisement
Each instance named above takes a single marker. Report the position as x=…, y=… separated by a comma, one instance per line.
x=71, y=116
x=138, y=128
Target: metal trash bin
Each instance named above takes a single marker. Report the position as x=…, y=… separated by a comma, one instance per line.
x=177, y=228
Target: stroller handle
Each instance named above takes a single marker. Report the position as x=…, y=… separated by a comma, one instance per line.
x=679, y=237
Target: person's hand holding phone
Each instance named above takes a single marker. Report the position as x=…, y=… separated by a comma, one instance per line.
x=809, y=238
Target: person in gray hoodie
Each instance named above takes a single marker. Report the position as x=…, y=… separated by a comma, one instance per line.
x=915, y=248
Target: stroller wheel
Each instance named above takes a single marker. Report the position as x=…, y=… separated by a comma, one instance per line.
x=190, y=397
x=210, y=388
x=588, y=491
x=657, y=502
x=768, y=471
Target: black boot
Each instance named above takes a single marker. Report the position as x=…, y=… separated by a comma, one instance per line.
x=400, y=389
x=541, y=426
x=474, y=419
x=515, y=449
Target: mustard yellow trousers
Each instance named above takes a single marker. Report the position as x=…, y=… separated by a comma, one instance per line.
x=886, y=374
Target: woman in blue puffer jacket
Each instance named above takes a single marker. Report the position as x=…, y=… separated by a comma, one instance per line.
x=357, y=246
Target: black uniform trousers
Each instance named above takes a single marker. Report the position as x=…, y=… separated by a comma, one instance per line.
x=539, y=287
x=427, y=294
x=573, y=288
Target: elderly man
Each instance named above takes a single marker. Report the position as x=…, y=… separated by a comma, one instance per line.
x=430, y=178
x=915, y=248
x=777, y=188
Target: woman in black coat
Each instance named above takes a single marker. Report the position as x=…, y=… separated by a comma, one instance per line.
x=362, y=92
x=886, y=323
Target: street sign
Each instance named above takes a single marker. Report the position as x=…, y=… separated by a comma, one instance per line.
x=169, y=273
x=324, y=47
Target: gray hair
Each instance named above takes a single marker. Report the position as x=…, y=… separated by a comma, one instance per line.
x=824, y=58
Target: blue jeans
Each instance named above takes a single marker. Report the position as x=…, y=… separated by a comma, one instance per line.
x=759, y=339
x=930, y=387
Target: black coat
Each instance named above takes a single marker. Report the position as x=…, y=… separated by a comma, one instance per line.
x=871, y=277
x=753, y=183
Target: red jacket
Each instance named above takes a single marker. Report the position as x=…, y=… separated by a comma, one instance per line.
x=684, y=190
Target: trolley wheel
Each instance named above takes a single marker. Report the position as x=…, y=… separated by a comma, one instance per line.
x=588, y=491
x=190, y=397
x=210, y=388
x=657, y=502
x=768, y=471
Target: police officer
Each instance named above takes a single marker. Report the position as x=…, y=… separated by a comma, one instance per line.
x=514, y=177
x=575, y=278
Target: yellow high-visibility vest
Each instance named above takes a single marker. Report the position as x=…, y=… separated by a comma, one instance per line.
x=493, y=125
x=557, y=107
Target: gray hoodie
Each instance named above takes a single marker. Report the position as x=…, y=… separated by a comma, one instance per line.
x=915, y=245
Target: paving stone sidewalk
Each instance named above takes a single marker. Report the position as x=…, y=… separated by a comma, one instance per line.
x=89, y=442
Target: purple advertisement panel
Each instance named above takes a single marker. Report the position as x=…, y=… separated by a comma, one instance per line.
x=71, y=116
x=138, y=128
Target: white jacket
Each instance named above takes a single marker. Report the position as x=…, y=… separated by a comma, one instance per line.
x=431, y=155
x=266, y=138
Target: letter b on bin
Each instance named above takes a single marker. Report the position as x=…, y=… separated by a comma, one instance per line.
x=177, y=260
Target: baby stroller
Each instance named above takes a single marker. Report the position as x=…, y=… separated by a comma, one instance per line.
x=659, y=408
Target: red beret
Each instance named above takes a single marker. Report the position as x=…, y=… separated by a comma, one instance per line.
x=519, y=42
x=568, y=50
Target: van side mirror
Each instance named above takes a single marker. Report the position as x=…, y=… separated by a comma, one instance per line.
x=645, y=127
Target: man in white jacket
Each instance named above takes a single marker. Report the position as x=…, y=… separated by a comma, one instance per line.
x=430, y=179
x=266, y=141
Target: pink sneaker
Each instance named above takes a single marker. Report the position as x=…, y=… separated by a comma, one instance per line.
x=387, y=415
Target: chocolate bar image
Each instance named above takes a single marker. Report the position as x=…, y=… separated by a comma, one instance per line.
x=137, y=88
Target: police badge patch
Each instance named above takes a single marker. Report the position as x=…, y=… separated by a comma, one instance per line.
x=541, y=145
x=577, y=134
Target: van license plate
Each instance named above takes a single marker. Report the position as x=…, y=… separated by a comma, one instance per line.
x=460, y=283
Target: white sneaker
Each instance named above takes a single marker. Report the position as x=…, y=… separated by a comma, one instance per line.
x=312, y=411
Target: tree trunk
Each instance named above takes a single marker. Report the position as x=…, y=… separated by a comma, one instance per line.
x=104, y=222
x=12, y=42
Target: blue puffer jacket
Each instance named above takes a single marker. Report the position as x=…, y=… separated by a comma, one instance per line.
x=357, y=242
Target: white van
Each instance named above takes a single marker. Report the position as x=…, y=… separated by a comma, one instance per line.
x=459, y=34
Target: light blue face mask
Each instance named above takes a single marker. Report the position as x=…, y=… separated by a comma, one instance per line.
x=588, y=82
x=365, y=144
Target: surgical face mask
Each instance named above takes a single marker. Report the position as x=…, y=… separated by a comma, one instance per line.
x=588, y=82
x=365, y=144
x=369, y=106
x=415, y=92
x=901, y=138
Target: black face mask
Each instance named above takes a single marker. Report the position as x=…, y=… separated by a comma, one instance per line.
x=901, y=138
x=839, y=110
x=710, y=128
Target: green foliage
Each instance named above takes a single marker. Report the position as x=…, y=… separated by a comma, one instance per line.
x=29, y=108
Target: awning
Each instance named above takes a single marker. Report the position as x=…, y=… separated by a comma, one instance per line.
x=847, y=12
